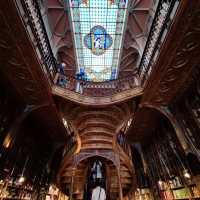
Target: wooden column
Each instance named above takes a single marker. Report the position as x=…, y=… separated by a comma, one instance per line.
x=72, y=183
x=120, y=185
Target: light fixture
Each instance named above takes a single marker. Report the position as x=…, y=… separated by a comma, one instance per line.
x=129, y=122
x=186, y=174
x=10, y=181
x=21, y=179
x=160, y=183
x=64, y=122
x=7, y=141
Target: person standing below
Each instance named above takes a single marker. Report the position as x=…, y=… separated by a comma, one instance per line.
x=98, y=193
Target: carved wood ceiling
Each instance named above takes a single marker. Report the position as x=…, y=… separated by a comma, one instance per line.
x=96, y=123
x=61, y=33
x=167, y=79
x=22, y=69
x=139, y=21
x=169, y=76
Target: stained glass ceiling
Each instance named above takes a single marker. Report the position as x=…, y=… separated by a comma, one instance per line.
x=98, y=27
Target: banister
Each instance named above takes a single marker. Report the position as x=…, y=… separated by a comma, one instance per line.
x=160, y=25
x=97, y=89
x=35, y=22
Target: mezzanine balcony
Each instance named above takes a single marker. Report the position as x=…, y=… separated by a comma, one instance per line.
x=97, y=93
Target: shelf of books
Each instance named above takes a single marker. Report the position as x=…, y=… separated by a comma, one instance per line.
x=10, y=190
x=143, y=194
x=173, y=189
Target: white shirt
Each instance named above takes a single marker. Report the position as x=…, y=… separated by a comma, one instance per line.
x=98, y=193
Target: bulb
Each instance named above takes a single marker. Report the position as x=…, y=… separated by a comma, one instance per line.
x=21, y=179
x=64, y=122
x=186, y=174
x=160, y=182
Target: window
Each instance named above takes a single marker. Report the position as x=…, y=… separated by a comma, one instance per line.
x=98, y=27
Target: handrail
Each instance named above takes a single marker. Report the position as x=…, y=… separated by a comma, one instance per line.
x=158, y=30
x=157, y=33
x=97, y=89
x=87, y=88
x=121, y=140
x=37, y=26
x=71, y=142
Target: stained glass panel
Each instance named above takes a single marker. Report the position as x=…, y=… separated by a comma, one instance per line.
x=98, y=27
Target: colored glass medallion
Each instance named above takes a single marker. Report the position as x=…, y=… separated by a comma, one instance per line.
x=98, y=41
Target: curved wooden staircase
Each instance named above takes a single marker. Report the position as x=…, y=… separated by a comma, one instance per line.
x=97, y=130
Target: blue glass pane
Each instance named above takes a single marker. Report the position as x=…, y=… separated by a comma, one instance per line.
x=98, y=27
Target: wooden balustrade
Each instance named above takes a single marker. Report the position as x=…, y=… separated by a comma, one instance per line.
x=33, y=19
x=121, y=140
x=158, y=31
x=97, y=89
x=71, y=143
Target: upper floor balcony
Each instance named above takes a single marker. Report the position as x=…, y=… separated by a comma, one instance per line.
x=98, y=93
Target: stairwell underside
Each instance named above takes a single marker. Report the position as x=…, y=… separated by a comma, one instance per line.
x=96, y=101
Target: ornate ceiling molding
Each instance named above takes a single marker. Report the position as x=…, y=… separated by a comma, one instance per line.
x=138, y=17
x=178, y=59
x=62, y=38
x=181, y=49
x=23, y=70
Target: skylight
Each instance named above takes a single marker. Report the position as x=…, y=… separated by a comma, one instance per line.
x=98, y=27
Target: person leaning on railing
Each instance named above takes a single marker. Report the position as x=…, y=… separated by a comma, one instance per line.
x=81, y=77
x=62, y=81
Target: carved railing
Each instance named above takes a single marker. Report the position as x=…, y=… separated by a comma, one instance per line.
x=163, y=18
x=165, y=12
x=34, y=20
x=71, y=143
x=121, y=140
x=97, y=89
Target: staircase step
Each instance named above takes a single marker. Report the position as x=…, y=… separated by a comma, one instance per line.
x=123, y=168
x=96, y=146
x=97, y=138
x=125, y=174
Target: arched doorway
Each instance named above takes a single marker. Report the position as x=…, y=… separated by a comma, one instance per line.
x=96, y=183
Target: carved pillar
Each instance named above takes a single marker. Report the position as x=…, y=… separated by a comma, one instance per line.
x=72, y=184
x=117, y=162
x=120, y=185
